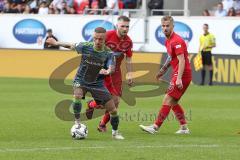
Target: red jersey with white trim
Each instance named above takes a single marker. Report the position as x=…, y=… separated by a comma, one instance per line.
x=175, y=46
x=121, y=47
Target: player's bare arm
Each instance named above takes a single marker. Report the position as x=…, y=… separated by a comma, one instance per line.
x=164, y=68
x=181, y=66
x=108, y=71
x=129, y=70
x=53, y=42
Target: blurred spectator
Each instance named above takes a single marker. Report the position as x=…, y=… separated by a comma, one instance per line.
x=50, y=35
x=65, y=8
x=72, y=11
x=17, y=1
x=206, y=13
x=43, y=8
x=34, y=6
x=69, y=3
x=56, y=4
x=130, y=4
x=156, y=4
x=27, y=9
x=227, y=4
x=13, y=8
x=113, y=5
x=94, y=5
x=6, y=8
x=80, y=5
x=57, y=11
x=1, y=5
x=220, y=12
x=102, y=4
x=19, y=8
x=51, y=10
x=231, y=12
x=120, y=4
x=236, y=5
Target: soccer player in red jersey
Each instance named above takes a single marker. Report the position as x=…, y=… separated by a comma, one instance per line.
x=119, y=42
x=180, y=79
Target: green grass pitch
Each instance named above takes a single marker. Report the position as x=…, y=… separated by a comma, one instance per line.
x=30, y=129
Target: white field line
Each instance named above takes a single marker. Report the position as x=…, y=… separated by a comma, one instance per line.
x=4, y=150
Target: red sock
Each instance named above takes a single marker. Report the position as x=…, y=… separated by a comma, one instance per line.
x=162, y=115
x=179, y=114
x=105, y=118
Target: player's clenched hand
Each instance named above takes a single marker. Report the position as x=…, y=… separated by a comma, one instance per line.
x=179, y=83
x=130, y=82
x=104, y=72
x=51, y=41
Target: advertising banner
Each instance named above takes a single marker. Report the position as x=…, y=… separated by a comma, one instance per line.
x=29, y=31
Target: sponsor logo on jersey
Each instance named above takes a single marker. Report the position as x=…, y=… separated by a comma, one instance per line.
x=178, y=46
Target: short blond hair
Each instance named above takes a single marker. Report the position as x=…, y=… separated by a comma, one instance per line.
x=167, y=18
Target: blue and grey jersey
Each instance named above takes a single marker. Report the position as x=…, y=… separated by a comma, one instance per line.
x=91, y=63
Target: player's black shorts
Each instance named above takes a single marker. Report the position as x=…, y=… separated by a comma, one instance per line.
x=206, y=58
x=99, y=93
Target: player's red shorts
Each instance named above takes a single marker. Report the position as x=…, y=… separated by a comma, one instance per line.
x=114, y=88
x=114, y=84
x=174, y=91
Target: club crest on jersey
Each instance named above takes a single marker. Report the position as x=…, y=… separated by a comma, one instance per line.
x=178, y=46
x=112, y=45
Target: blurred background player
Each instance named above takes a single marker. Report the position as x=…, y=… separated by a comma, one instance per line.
x=180, y=80
x=207, y=42
x=97, y=61
x=119, y=42
x=50, y=35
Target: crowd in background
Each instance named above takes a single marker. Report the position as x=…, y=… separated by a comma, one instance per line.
x=65, y=6
x=224, y=8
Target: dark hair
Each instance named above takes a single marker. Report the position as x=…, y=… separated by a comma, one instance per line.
x=206, y=12
x=231, y=12
x=123, y=18
x=100, y=30
x=49, y=30
x=205, y=24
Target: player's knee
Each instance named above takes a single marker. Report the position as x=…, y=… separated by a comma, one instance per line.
x=170, y=101
x=116, y=102
x=77, y=96
x=113, y=112
x=110, y=107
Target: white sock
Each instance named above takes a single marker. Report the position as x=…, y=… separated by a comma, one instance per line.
x=114, y=132
x=184, y=127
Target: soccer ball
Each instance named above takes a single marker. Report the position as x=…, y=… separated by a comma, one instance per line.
x=79, y=131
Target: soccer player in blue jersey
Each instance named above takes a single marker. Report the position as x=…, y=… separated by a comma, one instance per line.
x=97, y=61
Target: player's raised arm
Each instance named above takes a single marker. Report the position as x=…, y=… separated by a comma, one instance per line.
x=53, y=42
x=164, y=68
